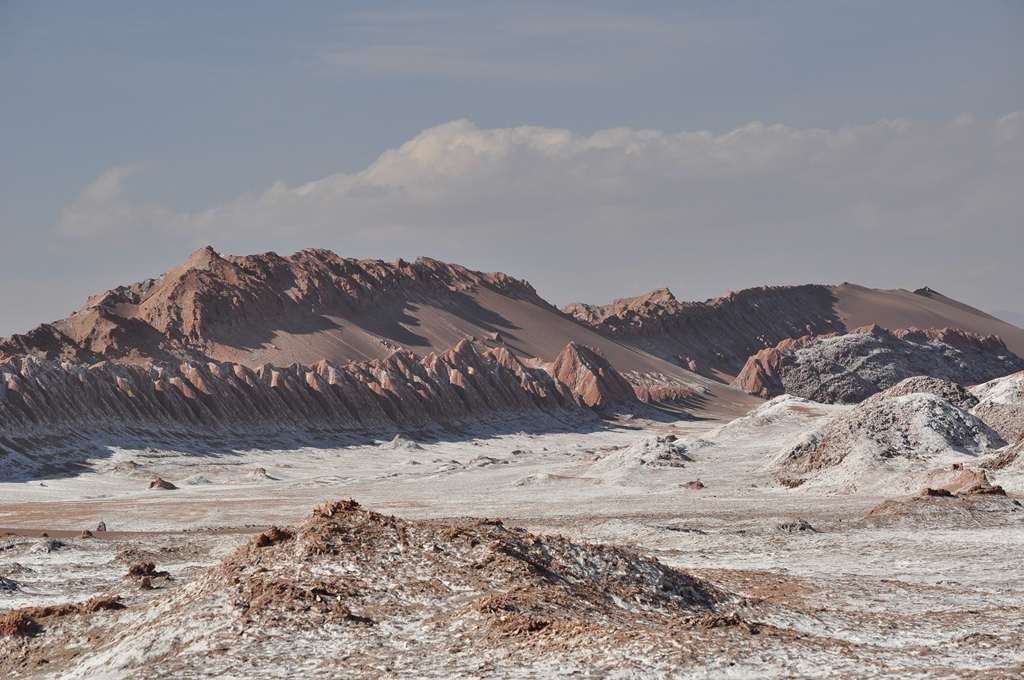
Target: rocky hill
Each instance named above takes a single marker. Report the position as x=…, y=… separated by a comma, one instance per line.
x=851, y=367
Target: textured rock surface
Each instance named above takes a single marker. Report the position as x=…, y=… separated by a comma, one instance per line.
x=1001, y=405
x=718, y=334
x=849, y=368
x=42, y=401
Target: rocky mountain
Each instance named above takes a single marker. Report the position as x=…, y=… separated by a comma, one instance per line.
x=716, y=336
x=315, y=305
x=849, y=368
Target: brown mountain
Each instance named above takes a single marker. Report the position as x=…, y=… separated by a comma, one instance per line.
x=315, y=305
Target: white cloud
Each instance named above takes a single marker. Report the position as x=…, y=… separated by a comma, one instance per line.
x=102, y=207
x=619, y=210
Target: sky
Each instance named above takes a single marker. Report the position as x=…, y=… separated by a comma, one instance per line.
x=596, y=149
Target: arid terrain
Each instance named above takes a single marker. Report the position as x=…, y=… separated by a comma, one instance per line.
x=312, y=466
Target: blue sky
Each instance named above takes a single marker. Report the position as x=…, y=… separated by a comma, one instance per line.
x=188, y=116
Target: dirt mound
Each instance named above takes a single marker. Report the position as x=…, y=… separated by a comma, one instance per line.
x=886, y=444
x=348, y=588
x=1001, y=405
x=850, y=368
x=957, y=479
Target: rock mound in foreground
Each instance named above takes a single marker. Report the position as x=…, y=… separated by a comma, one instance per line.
x=850, y=368
x=352, y=592
x=886, y=444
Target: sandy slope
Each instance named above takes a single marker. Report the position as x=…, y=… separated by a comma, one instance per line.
x=860, y=306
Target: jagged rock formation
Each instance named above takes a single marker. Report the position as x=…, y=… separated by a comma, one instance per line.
x=468, y=383
x=886, y=443
x=718, y=334
x=849, y=368
x=590, y=377
x=349, y=592
x=1001, y=405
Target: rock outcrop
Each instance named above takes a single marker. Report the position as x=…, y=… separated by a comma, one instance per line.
x=590, y=377
x=850, y=368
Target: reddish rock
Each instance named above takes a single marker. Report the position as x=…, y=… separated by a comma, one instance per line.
x=590, y=378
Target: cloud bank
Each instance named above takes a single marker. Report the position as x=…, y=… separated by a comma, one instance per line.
x=616, y=211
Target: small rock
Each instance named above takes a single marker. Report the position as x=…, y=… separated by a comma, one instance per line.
x=796, y=525
x=160, y=483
